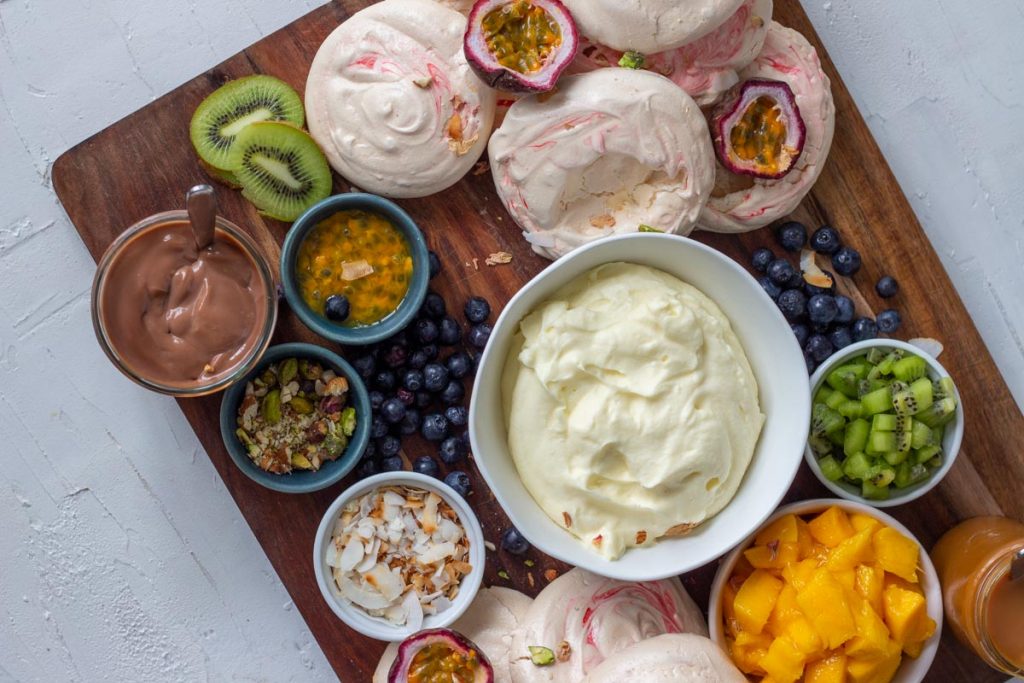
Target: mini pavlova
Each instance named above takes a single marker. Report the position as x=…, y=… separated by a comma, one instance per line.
x=399, y=553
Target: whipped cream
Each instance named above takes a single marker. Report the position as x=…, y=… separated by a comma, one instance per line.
x=598, y=618
x=610, y=150
x=393, y=103
x=649, y=26
x=669, y=658
x=708, y=66
x=742, y=203
x=631, y=407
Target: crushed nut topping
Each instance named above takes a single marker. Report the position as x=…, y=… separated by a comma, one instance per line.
x=551, y=574
x=399, y=553
x=499, y=258
x=641, y=537
x=605, y=220
x=567, y=519
x=563, y=652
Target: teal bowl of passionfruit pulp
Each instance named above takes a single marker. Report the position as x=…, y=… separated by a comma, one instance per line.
x=299, y=421
x=355, y=268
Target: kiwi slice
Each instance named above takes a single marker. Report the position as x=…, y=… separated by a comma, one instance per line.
x=219, y=118
x=221, y=176
x=281, y=169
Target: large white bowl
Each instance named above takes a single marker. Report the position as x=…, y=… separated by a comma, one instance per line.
x=911, y=670
x=354, y=616
x=778, y=365
x=951, y=438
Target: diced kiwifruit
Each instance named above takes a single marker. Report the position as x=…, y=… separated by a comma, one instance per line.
x=856, y=437
x=872, y=492
x=896, y=457
x=936, y=462
x=885, y=366
x=866, y=386
x=883, y=422
x=836, y=437
x=825, y=421
x=857, y=466
x=940, y=413
x=819, y=445
x=875, y=355
x=845, y=378
x=903, y=441
x=944, y=388
x=823, y=394
x=282, y=170
x=914, y=399
x=883, y=476
x=850, y=409
x=832, y=470
x=908, y=474
x=923, y=455
x=835, y=399
x=921, y=435
x=878, y=401
x=908, y=369
x=219, y=118
x=881, y=442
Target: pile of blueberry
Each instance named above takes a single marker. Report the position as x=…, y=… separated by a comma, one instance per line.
x=822, y=320
x=416, y=383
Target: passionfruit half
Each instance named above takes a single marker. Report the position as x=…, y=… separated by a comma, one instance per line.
x=520, y=45
x=758, y=130
x=440, y=654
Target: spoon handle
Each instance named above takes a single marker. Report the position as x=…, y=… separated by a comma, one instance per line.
x=201, y=204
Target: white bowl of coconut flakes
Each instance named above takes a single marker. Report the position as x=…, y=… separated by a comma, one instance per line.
x=398, y=552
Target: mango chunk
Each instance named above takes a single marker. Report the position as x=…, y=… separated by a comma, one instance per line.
x=850, y=552
x=869, y=582
x=784, y=662
x=831, y=527
x=797, y=575
x=831, y=669
x=875, y=669
x=846, y=578
x=906, y=613
x=804, y=637
x=824, y=603
x=773, y=556
x=755, y=600
x=872, y=639
x=913, y=648
x=803, y=538
x=729, y=609
x=859, y=521
x=782, y=530
x=748, y=657
x=786, y=610
x=896, y=553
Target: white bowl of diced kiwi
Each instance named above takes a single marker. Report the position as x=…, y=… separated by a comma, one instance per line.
x=886, y=423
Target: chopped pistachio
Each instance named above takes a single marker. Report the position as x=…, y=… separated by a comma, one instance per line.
x=301, y=405
x=631, y=59
x=289, y=370
x=503, y=574
x=648, y=228
x=528, y=563
x=271, y=407
x=541, y=656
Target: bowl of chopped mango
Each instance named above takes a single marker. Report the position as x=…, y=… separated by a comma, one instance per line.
x=828, y=590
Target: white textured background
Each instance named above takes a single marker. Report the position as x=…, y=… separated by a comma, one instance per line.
x=122, y=556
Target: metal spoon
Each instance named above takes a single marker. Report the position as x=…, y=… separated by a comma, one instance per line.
x=1017, y=566
x=201, y=205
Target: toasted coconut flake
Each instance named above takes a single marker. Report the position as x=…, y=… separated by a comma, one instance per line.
x=498, y=258
x=367, y=598
x=813, y=274
x=933, y=347
x=355, y=270
x=351, y=555
x=429, y=518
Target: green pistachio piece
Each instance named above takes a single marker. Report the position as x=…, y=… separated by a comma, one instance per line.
x=312, y=371
x=503, y=574
x=269, y=378
x=271, y=407
x=303, y=368
x=334, y=444
x=289, y=370
x=542, y=656
x=348, y=421
x=301, y=405
x=243, y=436
x=648, y=228
x=631, y=59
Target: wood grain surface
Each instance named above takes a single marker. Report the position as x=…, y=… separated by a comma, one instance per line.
x=144, y=164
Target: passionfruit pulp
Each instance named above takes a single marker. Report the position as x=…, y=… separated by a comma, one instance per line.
x=520, y=45
x=440, y=655
x=758, y=130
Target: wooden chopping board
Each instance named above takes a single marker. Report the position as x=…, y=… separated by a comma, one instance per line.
x=144, y=164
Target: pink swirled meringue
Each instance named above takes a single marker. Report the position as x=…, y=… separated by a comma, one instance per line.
x=708, y=66
x=610, y=150
x=393, y=103
x=741, y=203
x=670, y=658
x=597, y=618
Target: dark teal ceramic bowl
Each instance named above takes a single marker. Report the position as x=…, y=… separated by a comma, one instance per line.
x=406, y=311
x=330, y=472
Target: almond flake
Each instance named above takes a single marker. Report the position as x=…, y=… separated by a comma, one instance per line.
x=499, y=258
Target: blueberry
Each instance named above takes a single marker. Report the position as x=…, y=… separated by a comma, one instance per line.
x=412, y=379
x=336, y=307
x=814, y=289
x=431, y=350
x=801, y=332
x=423, y=399
x=477, y=309
x=846, y=261
x=388, y=446
x=822, y=309
x=792, y=236
x=761, y=258
x=376, y=400
x=887, y=287
x=365, y=366
x=796, y=281
x=367, y=468
x=819, y=347
x=780, y=271
x=401, y=338
x=793, y=304
x=465, y=439
x=425, y=330
x=459, y=481
x=453, y=393
x=392, y=411
x=864, y=328
x=418, y=359
x=435, y=264
x=772, y=289
x=450, y=332
x=378, y=427
x=459, y=365
x=396, y=355
x=841, y=337
x=370, y=452
x=846, y=309
x=514, y=542
x=825, y=240
x=426, y=465
x=889, y=320
x=434, y=427
x=479, y=334
x=433, y=306
x=405, y=396
x=410, y=424
x=458, y=416
x=452, y=450
x=812, y=364
x=435, y=377
x=385, y=381
x=392, y=464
